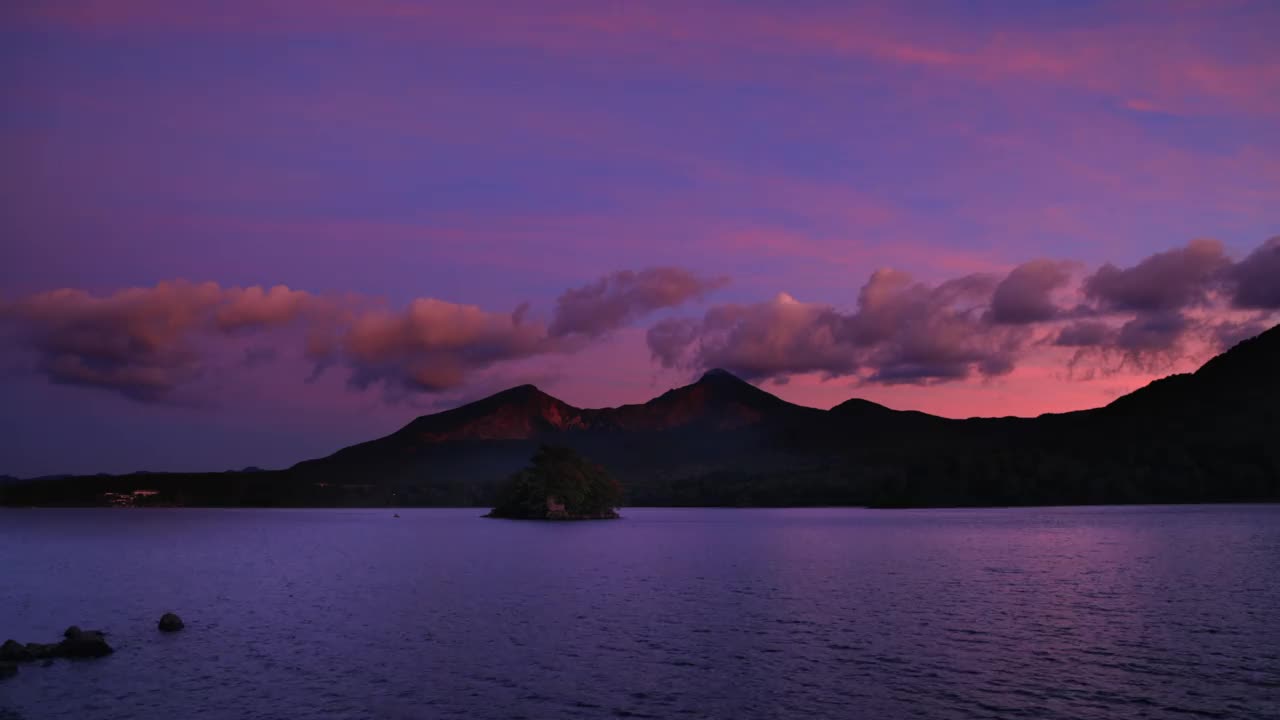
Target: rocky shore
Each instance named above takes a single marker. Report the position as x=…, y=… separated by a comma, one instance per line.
x=75, y=644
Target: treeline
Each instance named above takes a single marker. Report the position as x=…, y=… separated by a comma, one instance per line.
x=999, y=478
x=1090, y=470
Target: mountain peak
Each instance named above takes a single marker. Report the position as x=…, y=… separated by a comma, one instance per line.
x=860, y=406
x=519, y=412
x=718, y=374
x=519, y=391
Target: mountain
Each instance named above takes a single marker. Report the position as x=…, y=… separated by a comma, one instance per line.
x=1197, y=437
x=459, y=455
x=718, y=401
x=1243, y=379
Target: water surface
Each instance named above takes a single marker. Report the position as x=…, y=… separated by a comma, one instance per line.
x=1138, y=612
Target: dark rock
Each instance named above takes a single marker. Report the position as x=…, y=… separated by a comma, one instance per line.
x=89, y=643
x=40, y=651
x=76, y=643
x=8, y=669
x=170, y=623
x=14, y=651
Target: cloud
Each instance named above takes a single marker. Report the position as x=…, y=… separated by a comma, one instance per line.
x=980, y=325
x=669, y=339
x=1086, y=333
x=910, y=332
x=432, y=345
x=1170, y=280
x=625, y=296
x=146, y=343
x=1227, y=333
x=902, y=332
x=255, y=307
x=1255, y=281
x=772, y=339
x=135, y=341
x=1154, y=311
x=1026, y=294
x=1152, y=332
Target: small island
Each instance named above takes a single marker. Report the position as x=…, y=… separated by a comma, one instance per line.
x=559, y=484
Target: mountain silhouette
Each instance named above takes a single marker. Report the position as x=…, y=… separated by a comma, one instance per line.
x=1195, y=437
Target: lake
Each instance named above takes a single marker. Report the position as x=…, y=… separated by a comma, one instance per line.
x=1102, y=612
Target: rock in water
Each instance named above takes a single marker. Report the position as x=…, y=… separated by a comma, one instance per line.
x=43, y=651
x=14, y=651
x=170, y=623
x=8, y=669
x=76, y=643
x=89, y=643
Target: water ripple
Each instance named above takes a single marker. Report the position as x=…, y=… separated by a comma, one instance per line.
x=1085, y=613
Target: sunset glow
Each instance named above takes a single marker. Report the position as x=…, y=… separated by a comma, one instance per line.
x=253, y=232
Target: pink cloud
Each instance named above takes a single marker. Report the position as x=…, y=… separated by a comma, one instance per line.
x=902, y=332
x=620, y=298
x=148, y=342
x=134, y=341
x=1166, y=281
x=433, y=344
x=1255, y=281
x=1146, y=318
x=1026, y=293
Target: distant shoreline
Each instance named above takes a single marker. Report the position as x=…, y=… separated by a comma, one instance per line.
x=623, y=509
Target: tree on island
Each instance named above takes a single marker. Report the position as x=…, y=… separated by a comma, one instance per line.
x=559, y=484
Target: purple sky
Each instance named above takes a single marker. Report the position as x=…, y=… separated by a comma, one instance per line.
x=914, y=203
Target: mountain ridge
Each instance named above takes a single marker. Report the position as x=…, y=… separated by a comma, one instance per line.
x=1202, y=436
x=525, y=411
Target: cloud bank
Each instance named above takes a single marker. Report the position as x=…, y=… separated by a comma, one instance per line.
x=1176, y=303
x=146, y=343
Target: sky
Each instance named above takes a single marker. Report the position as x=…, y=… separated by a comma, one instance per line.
x=250, y=232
